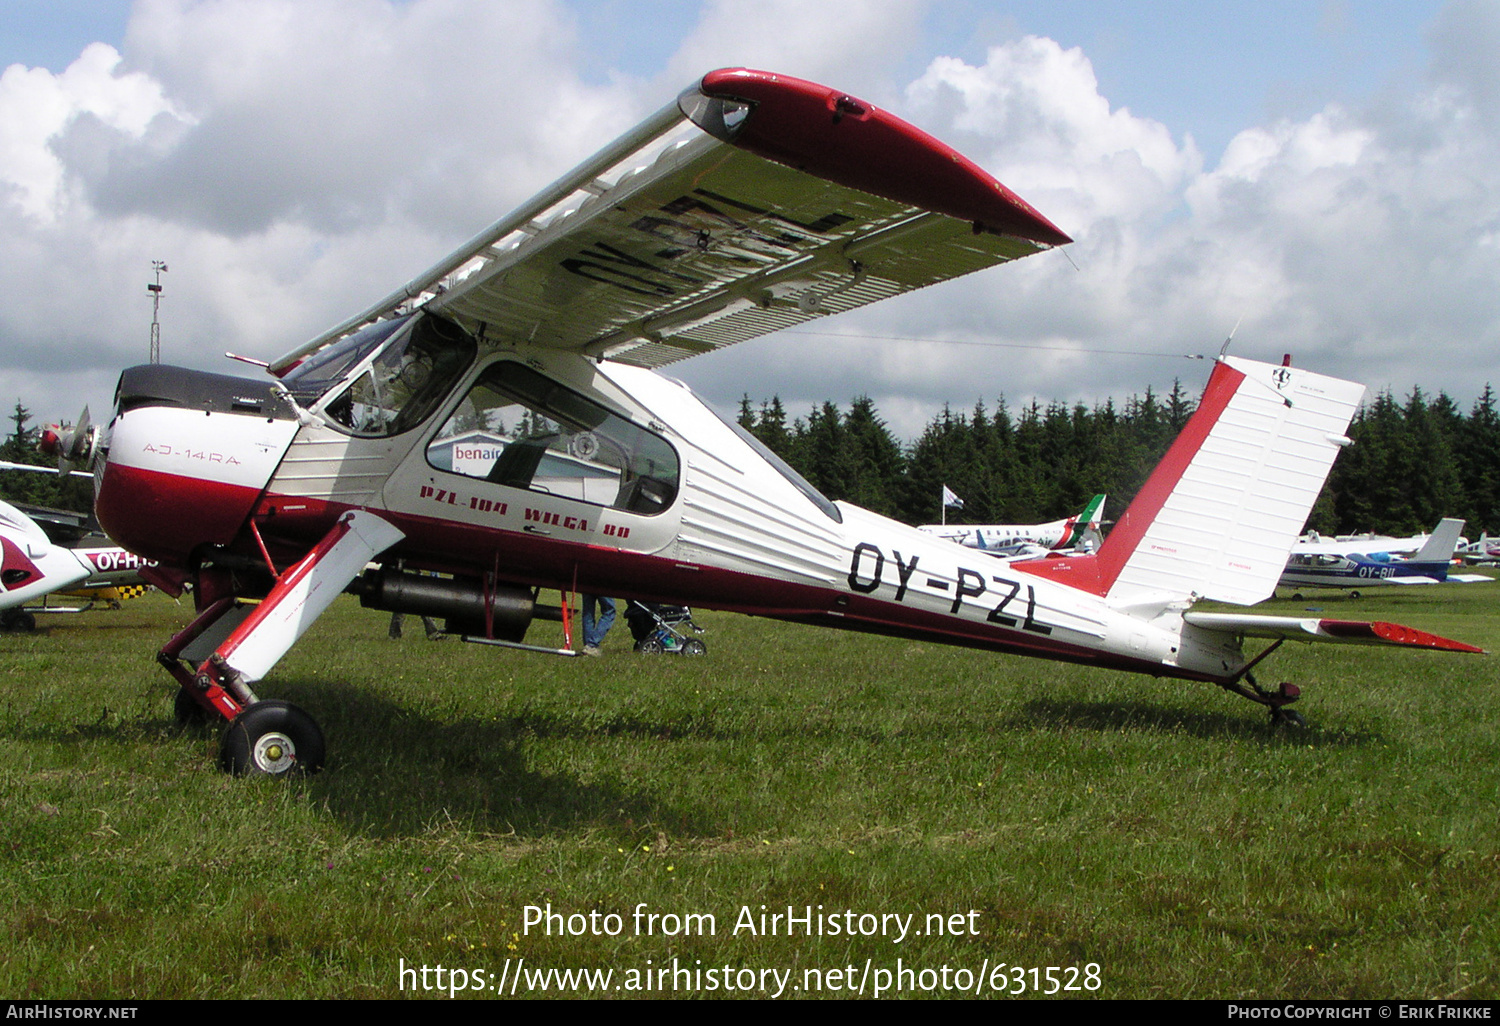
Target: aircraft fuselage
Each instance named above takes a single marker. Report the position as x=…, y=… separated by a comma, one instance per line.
x=633, y=488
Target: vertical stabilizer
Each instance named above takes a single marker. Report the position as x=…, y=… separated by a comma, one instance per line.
x=1439, y=546
x=1085, y=525
x=1220, y=513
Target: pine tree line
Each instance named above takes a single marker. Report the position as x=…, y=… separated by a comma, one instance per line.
x=71, y=493
x=1411, y=463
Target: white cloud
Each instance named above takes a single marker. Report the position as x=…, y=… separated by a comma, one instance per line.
x=295, y=161
x=36, y=107
x=1362, y=240
x=847, y=42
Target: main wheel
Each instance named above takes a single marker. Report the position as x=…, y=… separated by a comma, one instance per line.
x=272, y=738
x=692, y=646
x=19, y=621
x=651, y=646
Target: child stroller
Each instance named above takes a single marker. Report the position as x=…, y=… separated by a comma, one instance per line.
x=659, y=628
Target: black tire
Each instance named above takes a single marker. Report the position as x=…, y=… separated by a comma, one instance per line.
x=694, y=647
x=20, y=620
x=1288, y=719
x=651, y=646
x=272, y=738
x=187, y=710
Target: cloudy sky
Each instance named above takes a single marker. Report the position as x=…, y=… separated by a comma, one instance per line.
x=1323, y=173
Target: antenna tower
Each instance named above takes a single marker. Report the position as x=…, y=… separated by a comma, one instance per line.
x=155, y=289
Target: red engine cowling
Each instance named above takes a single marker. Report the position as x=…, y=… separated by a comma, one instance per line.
x=185, y=458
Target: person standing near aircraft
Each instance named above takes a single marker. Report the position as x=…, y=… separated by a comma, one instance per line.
x=595, y=628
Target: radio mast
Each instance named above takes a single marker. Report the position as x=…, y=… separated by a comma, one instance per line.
x=155, y=289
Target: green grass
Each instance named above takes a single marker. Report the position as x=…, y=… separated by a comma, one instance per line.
x=1158, y=830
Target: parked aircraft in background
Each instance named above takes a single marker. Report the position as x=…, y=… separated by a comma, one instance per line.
x=1484, y=552
x=1029, y=540
x=753, y=203
x=1340, y=565
x=1379, y=546
x=32, y=567
x=35, y=564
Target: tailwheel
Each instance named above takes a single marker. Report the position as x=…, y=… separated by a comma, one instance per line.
x=651, y=646
x=272, y=738
x=1290, y=718
x=1276, y=701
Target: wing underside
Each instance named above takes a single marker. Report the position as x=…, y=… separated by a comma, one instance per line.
x=721, y=219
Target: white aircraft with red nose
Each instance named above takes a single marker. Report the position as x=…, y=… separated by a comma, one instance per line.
x=33, y=567
x=498, y=425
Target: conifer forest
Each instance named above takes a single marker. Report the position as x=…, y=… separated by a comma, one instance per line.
x=1413, y=461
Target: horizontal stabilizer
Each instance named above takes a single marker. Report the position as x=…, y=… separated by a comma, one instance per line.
x=1312, y=628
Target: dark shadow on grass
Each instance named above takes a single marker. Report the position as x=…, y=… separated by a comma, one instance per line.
x=394, y=772
x=1048, y=714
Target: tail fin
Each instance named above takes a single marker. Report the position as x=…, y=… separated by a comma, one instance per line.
x=1439, y=546
x=1084, y=525
x=1220, y=513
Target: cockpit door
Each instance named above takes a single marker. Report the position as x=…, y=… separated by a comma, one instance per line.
x=521, y=448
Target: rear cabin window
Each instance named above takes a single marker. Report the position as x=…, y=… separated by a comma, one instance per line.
x=520, y=429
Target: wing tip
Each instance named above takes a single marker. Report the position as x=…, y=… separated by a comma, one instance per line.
x=1395, y=634
x=793, y=123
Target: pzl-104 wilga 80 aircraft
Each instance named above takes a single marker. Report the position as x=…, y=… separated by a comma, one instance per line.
x=499, y=421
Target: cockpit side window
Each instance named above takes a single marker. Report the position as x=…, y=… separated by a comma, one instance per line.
x=405, y=381
x=520, y=429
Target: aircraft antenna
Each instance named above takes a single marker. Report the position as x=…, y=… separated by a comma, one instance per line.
x=155, y=289
x=1225, y=347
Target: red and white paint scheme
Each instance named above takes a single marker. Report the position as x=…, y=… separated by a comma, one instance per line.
x=498, y=425
x=31, y=567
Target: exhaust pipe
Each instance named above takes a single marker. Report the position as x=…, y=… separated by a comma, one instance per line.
x=460, y=601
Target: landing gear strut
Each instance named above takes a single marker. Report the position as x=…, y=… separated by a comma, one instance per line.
x=1276, y=701
x=243, y=643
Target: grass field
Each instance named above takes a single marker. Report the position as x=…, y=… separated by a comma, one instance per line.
x=1155, y=837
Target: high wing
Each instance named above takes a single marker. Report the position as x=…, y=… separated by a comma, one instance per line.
x=754, y=203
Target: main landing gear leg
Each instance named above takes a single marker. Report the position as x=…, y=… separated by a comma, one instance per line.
x=272, y=738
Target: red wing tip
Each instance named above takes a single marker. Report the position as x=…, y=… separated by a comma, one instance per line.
x=954, y=184
x=1395, y=634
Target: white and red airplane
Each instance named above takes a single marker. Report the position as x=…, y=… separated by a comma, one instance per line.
x=500, y=421
x=33, y=567
x=1029, y=540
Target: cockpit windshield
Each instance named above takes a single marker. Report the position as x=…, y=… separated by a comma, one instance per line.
x=321, y=371
x=401, y=371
